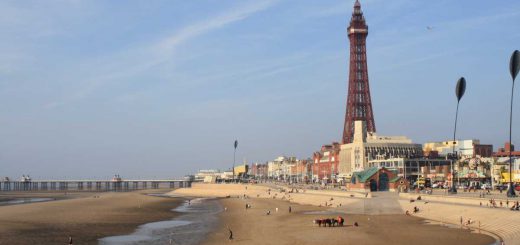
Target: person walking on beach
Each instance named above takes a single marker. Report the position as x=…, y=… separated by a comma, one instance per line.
x=230, y=234
x=290, y=209
x=70, y=240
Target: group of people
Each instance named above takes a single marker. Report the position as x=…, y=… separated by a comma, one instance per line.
x=493, y=203
x=331, y=222
x=468, y=222
x=415, y=210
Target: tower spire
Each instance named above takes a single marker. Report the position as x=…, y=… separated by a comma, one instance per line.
x=359, y=103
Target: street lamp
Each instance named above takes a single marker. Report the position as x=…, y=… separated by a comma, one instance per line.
x=459, y=92
x=234, y=156
x=514, y=67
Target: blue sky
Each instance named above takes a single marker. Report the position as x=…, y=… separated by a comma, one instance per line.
x=162, y=88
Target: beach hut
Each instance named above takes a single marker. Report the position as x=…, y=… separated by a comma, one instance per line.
x=377, y=179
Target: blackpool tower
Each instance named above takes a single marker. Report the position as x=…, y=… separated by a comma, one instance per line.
x=359, y=104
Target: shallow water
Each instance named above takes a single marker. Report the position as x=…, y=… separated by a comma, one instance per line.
x=198, y=217
x=16, y=201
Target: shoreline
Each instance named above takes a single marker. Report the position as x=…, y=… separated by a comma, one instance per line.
x=86, y=219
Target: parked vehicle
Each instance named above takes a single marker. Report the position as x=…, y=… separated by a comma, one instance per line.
x=439, y=185
x=485, y=187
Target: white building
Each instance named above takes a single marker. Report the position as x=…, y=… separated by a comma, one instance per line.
x=370, y=146
x=211, y=173
x=464, y=148
x=280, y=168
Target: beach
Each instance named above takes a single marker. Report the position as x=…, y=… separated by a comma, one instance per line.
x=87, y=217
x=254, y=226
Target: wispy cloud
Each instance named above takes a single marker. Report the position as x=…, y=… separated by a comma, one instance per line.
x=143, y=58
x=197, y=29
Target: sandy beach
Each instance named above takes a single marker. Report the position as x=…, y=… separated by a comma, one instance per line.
x=86, y=218
x=254, y=226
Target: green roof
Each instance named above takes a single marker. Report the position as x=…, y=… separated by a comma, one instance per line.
x=363, y=176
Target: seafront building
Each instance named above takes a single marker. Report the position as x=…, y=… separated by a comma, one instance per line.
x=463, y=148
x=504, y=151
x=325, y=163
x=205, y=174
x=280, y=168
x=366, y=147
x=258, y=171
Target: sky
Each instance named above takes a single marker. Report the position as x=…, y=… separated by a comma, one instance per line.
x=160, y=89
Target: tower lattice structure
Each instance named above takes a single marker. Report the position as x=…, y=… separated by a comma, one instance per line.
x=359, y=104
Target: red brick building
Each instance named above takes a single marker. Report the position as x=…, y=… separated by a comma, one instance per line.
x=482, y=150
x=258, y=171
x=325, y=163
x=504, y=152
x=301, y=171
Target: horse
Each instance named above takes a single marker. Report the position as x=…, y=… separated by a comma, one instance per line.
x=340, y=220
x=329, y=222
x=318, y=221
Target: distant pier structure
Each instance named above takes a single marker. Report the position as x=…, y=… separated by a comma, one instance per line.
x=115, y=184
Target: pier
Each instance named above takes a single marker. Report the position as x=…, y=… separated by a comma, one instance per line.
x=115, y=184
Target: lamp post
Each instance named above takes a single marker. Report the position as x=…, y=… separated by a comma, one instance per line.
x=514, y=67
x=459, y=92
x=234, y=156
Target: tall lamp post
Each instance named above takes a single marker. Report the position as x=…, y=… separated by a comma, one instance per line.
x=459, y=92
x=514, y=67
x=234, y=156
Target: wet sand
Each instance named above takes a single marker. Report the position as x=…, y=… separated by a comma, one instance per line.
x=10, y=198
x=86, y=218
x=253, y=226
